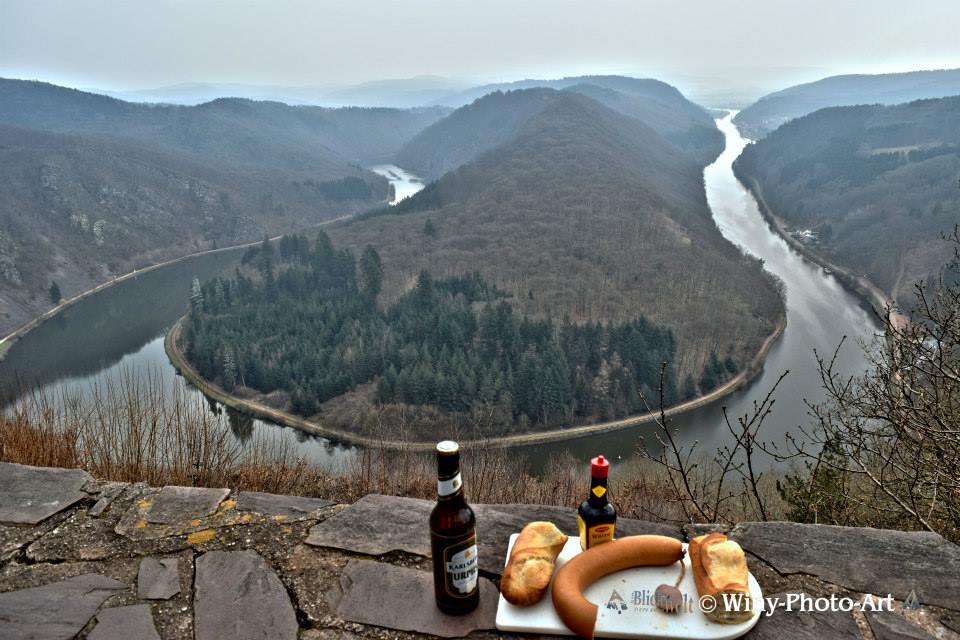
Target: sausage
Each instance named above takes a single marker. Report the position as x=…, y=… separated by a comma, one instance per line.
x=571, y=579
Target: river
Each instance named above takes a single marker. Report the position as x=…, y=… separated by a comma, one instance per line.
x=405, y=184
x=119, y=332
x=820, y=311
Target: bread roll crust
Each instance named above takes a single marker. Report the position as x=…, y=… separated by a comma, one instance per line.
x=720, y=567
x=532, y=560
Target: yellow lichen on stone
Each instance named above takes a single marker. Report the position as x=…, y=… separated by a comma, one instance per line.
x=199, y=537
x=143, y=505
x=227, y=504
x=195, y=522
x=245, y=517
x=141, y=524
x=279, y=517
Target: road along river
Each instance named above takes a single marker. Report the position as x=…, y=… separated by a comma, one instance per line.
x=118, y=333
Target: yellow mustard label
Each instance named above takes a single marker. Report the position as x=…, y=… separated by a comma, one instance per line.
x=599, y=491
x=594, y=535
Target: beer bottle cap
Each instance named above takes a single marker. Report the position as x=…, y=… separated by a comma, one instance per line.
x=448, y=447
x=599, y=467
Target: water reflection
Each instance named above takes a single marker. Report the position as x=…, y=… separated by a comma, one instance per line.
x=114, y=339
x=241, y=424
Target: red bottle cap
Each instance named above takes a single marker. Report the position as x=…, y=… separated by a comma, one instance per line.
x=599, y=467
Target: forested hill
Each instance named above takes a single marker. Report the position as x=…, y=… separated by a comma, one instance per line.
x=589, y=214
x=772, y=110
x=77, y=210
x=876, y=185
x=471, y=130
x=227, y=130
x=497, y=115
x=94, y=186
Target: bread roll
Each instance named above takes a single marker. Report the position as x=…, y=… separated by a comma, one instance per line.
x=720, y=567
x=532, y=559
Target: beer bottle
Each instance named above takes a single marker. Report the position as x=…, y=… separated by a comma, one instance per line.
x=453, y=538
x=596, y=517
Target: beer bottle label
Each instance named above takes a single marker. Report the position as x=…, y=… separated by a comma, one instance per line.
x=460, y=571
x=591, y=536
x=449, y=486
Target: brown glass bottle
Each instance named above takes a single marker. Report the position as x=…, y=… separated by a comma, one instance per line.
x=596, y=517
x=453, y=537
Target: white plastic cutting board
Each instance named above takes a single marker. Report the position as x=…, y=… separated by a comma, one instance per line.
x=637, y=617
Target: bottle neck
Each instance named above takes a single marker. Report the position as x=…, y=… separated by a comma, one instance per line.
x=598, y=491
x=449, y=479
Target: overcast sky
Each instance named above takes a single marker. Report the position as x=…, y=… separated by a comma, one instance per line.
x=128, y=44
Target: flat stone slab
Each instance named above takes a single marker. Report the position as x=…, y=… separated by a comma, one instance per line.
x=804, y=625
x=177, y=504
x=238, y=596
x=54, y=611
x=377, y=524
x=136, y=523
x=108, y=492
x=399, y=598
x=125, y=623
x=158, y=578
x=33, y=494
x=890, y=625
x=867, y=560
x=280, y=507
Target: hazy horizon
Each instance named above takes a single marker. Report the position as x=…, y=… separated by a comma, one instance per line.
x=702, y=47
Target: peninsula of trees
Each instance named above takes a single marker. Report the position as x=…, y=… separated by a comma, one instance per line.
x=453, y=344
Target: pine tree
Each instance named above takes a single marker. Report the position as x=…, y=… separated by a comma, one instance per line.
x=387, y=386
x=196, y=296
x=229, y=370
x=423, y=293
x=218, y=293
x=730, y=365
x=689, y=387
x=371, y=271
x=54, y=293
x=429, y=229
x=708, y=381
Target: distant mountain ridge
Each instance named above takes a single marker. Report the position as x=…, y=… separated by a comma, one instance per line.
x=398, y=93
x=771, y=111
x=236, y=130
x=496, y=116
x=876, y=184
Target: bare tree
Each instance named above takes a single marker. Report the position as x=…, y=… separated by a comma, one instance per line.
x=723, y=487
x=892, y=437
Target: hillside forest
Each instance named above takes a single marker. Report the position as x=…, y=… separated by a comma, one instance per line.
x=876, y=187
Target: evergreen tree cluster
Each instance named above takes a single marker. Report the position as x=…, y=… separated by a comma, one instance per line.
x=715, y=372
x=303, y=318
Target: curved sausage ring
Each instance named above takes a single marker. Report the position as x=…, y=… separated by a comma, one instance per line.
x=571, y=579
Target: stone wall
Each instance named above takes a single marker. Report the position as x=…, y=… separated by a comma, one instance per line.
x=87, y=558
